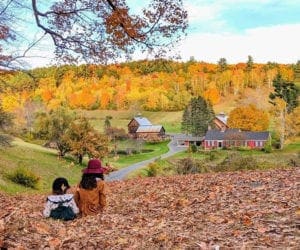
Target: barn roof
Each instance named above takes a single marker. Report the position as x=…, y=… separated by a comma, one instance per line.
x=142, y=121
x=215, y=134
x=149, y=129
x=222, y=117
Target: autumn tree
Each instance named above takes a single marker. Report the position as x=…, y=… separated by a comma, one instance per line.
x=197, y=117
x=53, y=127
x=95, y=31
x=248, y=118
x=293, y=123
x=212, y=94
x=82, y=139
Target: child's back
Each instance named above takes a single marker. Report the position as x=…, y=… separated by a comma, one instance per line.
x=60, y=205
x=90, y=195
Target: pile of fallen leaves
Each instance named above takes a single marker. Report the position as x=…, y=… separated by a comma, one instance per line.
x=255, y=209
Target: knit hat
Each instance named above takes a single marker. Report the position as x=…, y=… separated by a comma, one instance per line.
x=94, y=167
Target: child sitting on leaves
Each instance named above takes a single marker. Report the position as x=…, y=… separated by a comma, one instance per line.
x=60, y=205
x=91, y=192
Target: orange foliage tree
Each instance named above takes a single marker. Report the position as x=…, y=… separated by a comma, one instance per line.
x=212, y=95
x=248, y=118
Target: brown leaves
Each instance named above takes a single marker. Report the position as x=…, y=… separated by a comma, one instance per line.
x=226, y=210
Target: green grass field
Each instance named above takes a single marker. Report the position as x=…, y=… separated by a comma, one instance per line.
x=45, y=163
x=42, y=162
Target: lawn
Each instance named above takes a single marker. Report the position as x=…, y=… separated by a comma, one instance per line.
x=45, y=163
x=153, y=150
x=41, y=162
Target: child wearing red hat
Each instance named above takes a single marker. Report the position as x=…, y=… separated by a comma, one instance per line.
x=90, y=195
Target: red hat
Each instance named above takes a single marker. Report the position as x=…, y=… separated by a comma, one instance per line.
x=94, y=167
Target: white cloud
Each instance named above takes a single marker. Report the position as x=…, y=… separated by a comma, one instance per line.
x=277, y=43
x=198, y=13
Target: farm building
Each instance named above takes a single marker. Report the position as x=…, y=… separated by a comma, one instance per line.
x=215, y=138
x=141, y=128
x=184, y=140
x=220, y=121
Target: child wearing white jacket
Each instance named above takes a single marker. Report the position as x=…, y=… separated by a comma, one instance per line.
x=60, y=205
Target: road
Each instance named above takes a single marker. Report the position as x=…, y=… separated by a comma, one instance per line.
x=122, y=173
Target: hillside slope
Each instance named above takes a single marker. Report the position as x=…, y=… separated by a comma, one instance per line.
x=240, y=210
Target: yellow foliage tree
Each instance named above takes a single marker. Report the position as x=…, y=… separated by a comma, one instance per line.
x=293, y=123
x=248, y=118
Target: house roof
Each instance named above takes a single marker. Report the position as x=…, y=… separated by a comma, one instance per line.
x=215, y=134
x=185, y=137
x=149, y=129
x=142, y=121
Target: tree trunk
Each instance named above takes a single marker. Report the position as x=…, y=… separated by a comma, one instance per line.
x=80, y=158
x=282, y=127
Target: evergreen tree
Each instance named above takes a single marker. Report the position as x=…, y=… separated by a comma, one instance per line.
x=286, y=91
x=5, y=123
x=222, y=63
x=107, y=124
x=285, y=100
x=297, y=74
x=198, y=116
x=249, y=66
x=186, y=120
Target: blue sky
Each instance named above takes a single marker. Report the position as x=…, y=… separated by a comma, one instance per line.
x=268, y=30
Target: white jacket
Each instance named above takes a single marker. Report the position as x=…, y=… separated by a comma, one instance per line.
x=54, y=200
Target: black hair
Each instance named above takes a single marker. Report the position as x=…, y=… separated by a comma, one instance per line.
x=88, y=181
x=57, y=186
x=98, y=175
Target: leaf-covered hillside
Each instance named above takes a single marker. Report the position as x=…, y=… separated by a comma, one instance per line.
x=232, y=210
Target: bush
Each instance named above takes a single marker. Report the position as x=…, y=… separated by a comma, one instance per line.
x=24, y=177
x=151, y=170
x=267, y=148
x=194, y=148
x=235, y=162
x=190, y=166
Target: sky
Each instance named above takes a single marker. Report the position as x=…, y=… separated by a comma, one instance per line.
x=268, y=30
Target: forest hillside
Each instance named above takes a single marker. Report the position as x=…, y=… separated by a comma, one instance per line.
x=241, y=210
x=147, y=85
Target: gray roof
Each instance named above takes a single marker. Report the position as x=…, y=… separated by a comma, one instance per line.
x=185, y=137
x=149, y=129
x=142, y=121
x=215, y=134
